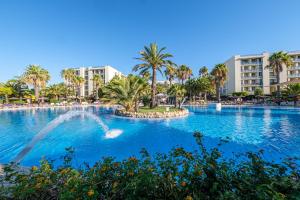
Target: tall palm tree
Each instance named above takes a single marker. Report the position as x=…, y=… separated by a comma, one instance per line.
x=203, y=71
x=277, y=61
x=170, y=72
x=36, y=76
x=125, y=91
x=97, y=82
x=152, y=59
x=184, y=73
x=219, y=75
x=78, y=82
x=69, y=76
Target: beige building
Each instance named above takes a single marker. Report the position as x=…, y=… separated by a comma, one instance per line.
x=106, y=72
x=248, y=72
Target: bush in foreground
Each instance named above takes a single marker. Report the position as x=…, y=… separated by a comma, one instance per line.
x=180, y=174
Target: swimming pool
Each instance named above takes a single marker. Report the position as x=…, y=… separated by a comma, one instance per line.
x=276, y=130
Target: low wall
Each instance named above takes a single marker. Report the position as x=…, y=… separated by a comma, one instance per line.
x=151, y=115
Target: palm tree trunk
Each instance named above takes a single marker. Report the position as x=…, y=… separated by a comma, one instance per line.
x=153, y=92
x=205, y=96
x=218, y=92
x=36, y=93
x=278, y=88
x=6, y=99
x=97, y=95
x=136, y=106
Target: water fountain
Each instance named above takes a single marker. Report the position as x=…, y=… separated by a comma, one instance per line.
x=109, y=134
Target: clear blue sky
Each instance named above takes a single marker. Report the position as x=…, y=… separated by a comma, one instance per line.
x=62, y=33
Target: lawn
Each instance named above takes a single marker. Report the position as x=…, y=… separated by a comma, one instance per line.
x=157, y=109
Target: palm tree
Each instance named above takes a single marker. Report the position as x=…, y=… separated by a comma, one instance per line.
x=153, y=59
x=97, y=82
x=178, y=92
x=203, y=71
x=69, y=76
x=78, y=82
x=5, y=91
x=277, y=62
x=293, y=90
x=170, y=72
x=56, y=90
x=18, y=86
x=219, y=75
x=125, y=91
x=36, y=76
x=184, y=73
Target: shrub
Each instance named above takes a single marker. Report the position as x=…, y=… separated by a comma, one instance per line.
x=203, y=174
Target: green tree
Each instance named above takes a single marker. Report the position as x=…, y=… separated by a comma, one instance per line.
x=277, y=61
x=219, y=76
x=178, y=92
x=170, y=72
x=69, y=75
x=78, y=82
x=5, y=91
x=184, y=73
x=293, y=90
x=205, y=86
x=56, y=91
x=18, y=86
x=258, y=92
x=36, y=76
x=97, y=82
x=203, y=71
x=125, y=91
x=152, y=59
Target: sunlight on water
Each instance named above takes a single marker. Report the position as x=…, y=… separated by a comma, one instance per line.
x=113, y=133
x=59, y=120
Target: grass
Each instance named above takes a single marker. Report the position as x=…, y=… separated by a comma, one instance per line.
x=157, y=109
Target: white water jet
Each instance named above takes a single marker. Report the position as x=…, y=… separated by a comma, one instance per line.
x=218, y=106
x=59, y=120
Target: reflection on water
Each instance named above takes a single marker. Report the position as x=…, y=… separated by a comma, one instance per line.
x=277, y=131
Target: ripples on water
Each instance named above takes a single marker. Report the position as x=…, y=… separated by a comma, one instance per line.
x=276, y=130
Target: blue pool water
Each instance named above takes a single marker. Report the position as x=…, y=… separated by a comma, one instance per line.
x=276, y=130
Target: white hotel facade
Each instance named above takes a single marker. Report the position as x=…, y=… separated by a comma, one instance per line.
x=248, y=72
x=106, y=72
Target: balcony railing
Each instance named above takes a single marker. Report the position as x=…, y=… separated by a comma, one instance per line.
x=251, y=63
x=251, y=70
x=294, y=68
x=294, y=75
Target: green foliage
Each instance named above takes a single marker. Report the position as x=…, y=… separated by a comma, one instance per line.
x=258, y=92
x=179, y=174
x=179, y=92
x=125, y=91
x=240, y=94
x=152, y=59
x=184, y=73
x=292, y=90
x=36, y=76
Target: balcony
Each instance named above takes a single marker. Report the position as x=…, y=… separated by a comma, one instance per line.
x=293, y=75
x=251, y=63
x=251, y=70
x=294, y=68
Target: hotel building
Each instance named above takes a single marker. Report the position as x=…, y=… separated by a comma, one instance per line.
x=248, y=72
x=106, y=72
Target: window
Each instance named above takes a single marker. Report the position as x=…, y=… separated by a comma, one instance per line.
x=260, y=74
